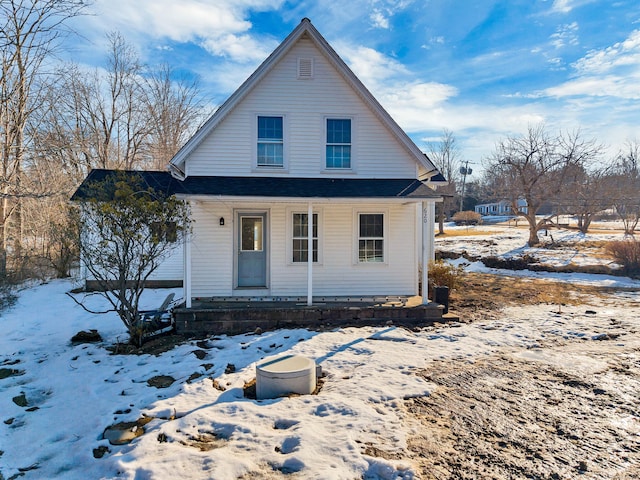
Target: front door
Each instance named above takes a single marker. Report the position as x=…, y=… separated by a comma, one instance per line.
x=252, y=250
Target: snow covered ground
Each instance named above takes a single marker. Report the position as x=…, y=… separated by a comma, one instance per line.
x=357, y=426
x=559, y=247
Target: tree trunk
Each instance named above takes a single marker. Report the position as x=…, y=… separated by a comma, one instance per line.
x=440, y=218
x=533, y=237
x=533, y=230
x=584, y=222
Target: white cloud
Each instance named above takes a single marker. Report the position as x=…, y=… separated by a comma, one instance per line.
x=621, y=54
x=393, y=84
x=218, y=26
x=242, y=48
x=566, y=6
x=379, y=20
x=370, y=65
x=606, y=86
x=613, y=71
x=565, y=35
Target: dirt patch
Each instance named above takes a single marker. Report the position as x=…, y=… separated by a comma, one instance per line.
x=154, y=346
x=481, y=296
x=503, y=417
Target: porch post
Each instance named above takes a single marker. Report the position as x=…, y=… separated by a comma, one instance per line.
x=310, y=254
x=186, y=280
x=432, y=230
x=428, y=252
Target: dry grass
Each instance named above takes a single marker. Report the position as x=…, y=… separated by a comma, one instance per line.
x=467, y=232
x=483, y=295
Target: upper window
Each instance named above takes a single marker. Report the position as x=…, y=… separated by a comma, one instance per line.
x=371, y=237
x=300, y=238
x=270, y=142
x=338, y=154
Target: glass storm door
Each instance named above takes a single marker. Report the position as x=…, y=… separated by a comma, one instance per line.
x=252, y=251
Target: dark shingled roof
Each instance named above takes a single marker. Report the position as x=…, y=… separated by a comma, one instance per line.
x=272, y=186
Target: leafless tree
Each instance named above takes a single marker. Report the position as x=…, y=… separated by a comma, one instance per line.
x=122, y=116
x=107, y=107
x=537, y=167
x=30, y=32
x=175, y=111
x=446, y=156
x=624, y=185
x=586, y=194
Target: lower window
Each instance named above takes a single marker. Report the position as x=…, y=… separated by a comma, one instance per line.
x=300, y=246
x=371, y=237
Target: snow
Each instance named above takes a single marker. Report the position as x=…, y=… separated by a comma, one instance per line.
x=82, y=389
x=510, y=242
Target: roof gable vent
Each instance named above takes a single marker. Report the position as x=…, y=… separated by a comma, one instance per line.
x=305, y=68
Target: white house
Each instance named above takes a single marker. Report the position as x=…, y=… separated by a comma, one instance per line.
x=303, y=158
x=503, y=207
x=302, y=154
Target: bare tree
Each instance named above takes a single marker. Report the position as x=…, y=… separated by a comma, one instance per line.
x=30, y=32
x=174, y=110
x=445, y=155
x=108, y=106
x=586, y=194
x=122, y=116
x=537, y=167
x=625, y=182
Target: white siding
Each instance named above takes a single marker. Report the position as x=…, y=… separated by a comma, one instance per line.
x=338, y=273
x=170, y=269
x=211, y=250
x=230, y=148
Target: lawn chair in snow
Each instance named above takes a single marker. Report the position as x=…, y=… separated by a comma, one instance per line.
x=158, y=321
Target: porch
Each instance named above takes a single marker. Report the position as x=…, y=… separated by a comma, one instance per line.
x=238, y=315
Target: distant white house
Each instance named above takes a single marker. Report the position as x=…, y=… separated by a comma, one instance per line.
x=503, y=207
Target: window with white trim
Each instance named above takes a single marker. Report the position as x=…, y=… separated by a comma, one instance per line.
x=338, y=148
x=270, y=151
x=370, y=237
x=300, y=238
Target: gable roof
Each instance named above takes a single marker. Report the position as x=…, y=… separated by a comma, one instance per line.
x=267, y=187
x=176, y=166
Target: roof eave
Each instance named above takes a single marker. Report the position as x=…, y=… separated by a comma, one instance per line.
x=242, y=198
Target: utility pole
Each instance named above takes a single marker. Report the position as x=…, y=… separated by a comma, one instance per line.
x=464, y=171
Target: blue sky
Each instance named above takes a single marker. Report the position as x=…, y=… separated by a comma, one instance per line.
x=481, y=69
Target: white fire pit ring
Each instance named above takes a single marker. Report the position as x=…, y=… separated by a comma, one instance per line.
x=278, y=376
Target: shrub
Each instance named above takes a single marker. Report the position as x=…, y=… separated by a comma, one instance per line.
x=467, y=217
x=8, y=296
x=627, y=254
x=443, y=274
x=511, y=263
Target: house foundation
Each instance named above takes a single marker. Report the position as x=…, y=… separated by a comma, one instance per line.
x=235, y=317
